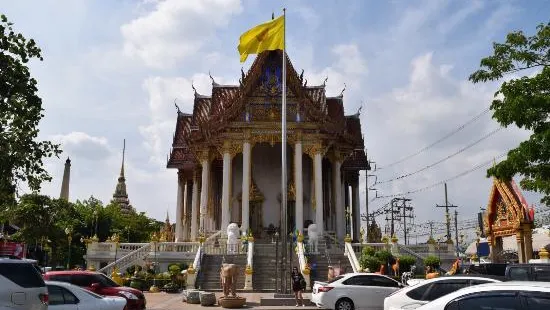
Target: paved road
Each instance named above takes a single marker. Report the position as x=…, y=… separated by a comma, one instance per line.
x=164, y=301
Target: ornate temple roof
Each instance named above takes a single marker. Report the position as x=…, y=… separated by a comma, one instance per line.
x=214, y=114
x=507, y=208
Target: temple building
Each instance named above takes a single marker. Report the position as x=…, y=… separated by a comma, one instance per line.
x=508, y=215
x=228, y=156
x=121, y=196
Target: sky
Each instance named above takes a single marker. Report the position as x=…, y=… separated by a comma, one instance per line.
x=112, y=70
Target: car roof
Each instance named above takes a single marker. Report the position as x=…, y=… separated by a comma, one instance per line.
x=475, y=275
x=69, y=272
x=489, y=287
x=530, y=284
x=65, y=284
x=8, y=260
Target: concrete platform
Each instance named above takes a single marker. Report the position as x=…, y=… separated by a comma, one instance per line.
x=164, y=301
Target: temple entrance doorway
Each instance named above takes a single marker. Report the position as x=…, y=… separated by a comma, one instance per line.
x=255, y=220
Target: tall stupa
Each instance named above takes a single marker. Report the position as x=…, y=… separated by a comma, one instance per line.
x=121, y=196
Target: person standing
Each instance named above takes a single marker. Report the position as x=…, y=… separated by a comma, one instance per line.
x=298, y=285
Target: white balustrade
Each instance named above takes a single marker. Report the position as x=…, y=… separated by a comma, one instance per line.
x=303, y=264
x=350, y=253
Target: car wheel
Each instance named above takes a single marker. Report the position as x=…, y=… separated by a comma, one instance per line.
x=344, y=304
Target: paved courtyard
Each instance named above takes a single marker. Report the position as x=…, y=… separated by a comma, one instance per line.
x=164, y=301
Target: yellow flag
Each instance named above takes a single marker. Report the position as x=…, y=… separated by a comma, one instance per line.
x=264, y=37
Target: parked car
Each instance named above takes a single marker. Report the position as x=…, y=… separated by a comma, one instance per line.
x=412, y=297
x=354, y=291
x=21, y=286
x=493, y=269
x=100, y=284
x=65, y=296
x=528, y=272
x=513, y=295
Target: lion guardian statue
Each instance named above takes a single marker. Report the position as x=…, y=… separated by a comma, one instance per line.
x=232, y=238
x=313, y=235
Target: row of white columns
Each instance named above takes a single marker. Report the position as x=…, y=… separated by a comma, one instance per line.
x=183, y=185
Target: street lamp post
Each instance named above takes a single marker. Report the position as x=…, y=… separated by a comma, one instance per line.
x=277, y=261
x=128, y=233
x=69, y=233
x=96, y=220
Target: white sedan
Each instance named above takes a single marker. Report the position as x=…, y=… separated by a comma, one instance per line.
x=65, y=296
x=414, y=296
x=354, y=291
x=514, y=295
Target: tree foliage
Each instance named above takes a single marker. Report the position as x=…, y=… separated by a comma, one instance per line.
x=20, y=112
x=524, y=102
x=43, y=220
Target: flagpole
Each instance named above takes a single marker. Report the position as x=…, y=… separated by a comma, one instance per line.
x=284, y=217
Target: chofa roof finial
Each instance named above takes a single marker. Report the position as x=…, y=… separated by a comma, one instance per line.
x=194, y=89
x=342, y=92
x=325, y=82
x=211, y=78
x=177, y=107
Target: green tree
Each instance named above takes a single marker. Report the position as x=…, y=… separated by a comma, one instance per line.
x=524, y=102
x=21, y=110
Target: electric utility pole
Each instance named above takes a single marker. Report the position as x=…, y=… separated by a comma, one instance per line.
x=456, y=230
x=401, y=213
x=447, y=215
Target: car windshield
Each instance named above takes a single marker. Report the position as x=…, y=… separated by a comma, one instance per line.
x=104, y=281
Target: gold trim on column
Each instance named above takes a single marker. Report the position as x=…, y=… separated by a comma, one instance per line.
x=313, y=149
x=231, y=147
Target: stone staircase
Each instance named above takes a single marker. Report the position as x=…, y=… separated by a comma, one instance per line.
x=327, y=256
x=127, y=260
x=209, y=275
x=265, y=267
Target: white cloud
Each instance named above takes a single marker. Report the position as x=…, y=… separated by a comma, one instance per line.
x=350, y=59
x=162, y=92
x=83, y=145
x=175, y=30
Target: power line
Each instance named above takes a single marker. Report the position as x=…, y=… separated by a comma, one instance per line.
x=475, y=118
x=444, y=181
x=443, y=159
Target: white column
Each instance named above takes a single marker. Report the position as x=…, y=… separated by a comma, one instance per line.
x=246, y=188
x=318, y=164
x=355, y=213
x=338, y=203
x=185, y=210
x=179, y=209
x=194, y=208
x=225, y=191
x=299, y=183
x=205, y=163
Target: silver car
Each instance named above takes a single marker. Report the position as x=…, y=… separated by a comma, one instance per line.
x=21, y=286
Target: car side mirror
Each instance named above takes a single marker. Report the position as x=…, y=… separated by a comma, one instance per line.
x=96, y=286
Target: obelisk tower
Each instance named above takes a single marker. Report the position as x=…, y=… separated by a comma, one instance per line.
x=66, y=178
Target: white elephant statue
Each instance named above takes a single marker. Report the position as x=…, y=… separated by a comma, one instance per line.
x=232, y=238
x=313, y=235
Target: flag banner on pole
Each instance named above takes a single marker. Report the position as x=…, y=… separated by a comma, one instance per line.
x=268, y=36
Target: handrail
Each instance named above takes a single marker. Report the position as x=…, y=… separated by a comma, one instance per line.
x=213, y=236
x=301, y=256
x=334, y=240
x=197, y=260
x=352, y=257
x=127, y=259
x=250, y=254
